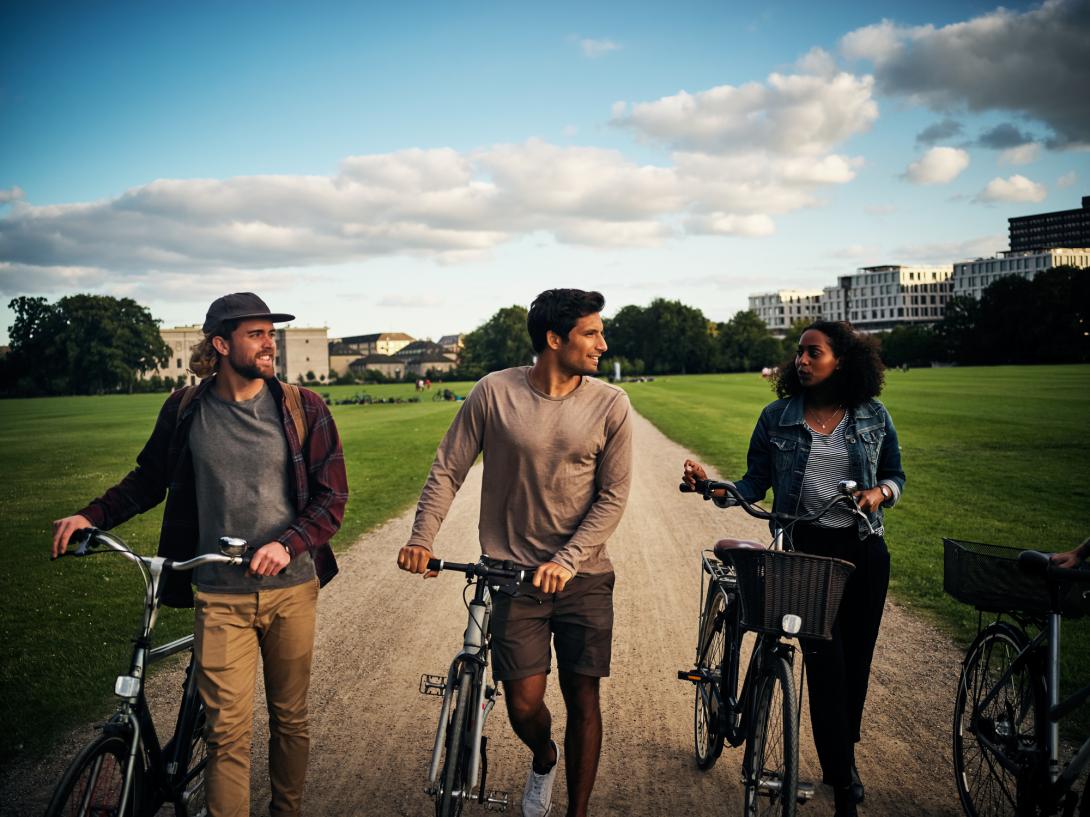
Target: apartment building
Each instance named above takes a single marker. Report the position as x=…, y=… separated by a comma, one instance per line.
x=973, y=277
x=879, y=298
x=783, y=307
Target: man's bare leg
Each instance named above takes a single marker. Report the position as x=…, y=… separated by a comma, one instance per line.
x=583, y=738
x=531, y=719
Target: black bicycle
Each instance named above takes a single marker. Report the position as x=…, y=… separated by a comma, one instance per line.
x=1007, y=710
x=747, y=587
x=459, y=761
x=125, y=770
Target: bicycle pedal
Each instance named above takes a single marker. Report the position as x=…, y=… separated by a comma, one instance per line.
x=804, y=792
x=496, y=800
x=690, y=675
x=433, y=685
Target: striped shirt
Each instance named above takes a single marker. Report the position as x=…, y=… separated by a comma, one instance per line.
x=827, y=465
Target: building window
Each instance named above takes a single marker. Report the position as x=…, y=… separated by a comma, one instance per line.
x=179, y=363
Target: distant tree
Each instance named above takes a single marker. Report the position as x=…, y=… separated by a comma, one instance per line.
x=914, y=344
x=83, y=344
x=499, y=343
x=746, y=345
x=668, y=336
x=956, y=332
x=790, y=343
x=1060, y=329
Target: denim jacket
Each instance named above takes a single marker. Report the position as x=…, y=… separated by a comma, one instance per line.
x=780, y=446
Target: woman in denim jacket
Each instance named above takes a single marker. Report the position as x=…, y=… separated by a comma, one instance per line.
x=828, y=426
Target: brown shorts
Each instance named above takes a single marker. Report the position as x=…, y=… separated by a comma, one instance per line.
x=579, y=619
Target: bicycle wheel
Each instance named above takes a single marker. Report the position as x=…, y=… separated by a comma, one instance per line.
x=771, y=773
x=1008, y=727
x=92, y=784
x=707, y=734
x=453, y=785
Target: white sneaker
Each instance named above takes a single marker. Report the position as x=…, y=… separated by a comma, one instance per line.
x=537, y=794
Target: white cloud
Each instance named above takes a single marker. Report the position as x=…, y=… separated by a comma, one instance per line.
x=791, y=115
x=880, y=209
x=1016, y=188
x=739, y=157
x=1067, y=179
x=11, y=195
x=410, y=301
x=597, y=48
x=1021, y=155
x=1033, y=63
x=940, y=165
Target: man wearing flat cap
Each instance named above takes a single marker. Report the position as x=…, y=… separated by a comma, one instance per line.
x=241, y=454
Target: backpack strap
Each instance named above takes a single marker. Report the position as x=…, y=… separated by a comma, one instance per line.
x=294, y=404
x=187, y=398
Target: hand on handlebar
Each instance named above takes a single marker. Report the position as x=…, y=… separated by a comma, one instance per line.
x=551, y=577
x=268, y=560
x=692, y=471
x=869, y=499
x=1070, y=558
x=63, y=530
x=414, y=559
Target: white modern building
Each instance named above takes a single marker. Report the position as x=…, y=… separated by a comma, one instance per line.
x=973, y=277
x=879, y=298
x=782, y=308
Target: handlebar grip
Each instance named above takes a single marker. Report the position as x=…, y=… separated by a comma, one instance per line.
x=686, y=488
x=435, y=564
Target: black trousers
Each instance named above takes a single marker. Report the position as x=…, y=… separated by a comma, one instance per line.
x=839, y=670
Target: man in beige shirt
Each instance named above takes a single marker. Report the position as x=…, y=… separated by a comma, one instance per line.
x=557, y=461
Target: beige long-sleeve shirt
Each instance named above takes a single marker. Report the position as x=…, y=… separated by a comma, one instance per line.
x=556, y=471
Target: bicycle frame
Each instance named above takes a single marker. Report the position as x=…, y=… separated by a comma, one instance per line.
x=474, y=650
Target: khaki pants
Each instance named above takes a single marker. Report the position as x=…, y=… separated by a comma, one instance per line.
x=231, y=628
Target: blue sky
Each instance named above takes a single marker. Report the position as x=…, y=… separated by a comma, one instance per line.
x=416, y=167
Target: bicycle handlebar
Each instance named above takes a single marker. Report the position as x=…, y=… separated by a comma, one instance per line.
x=235, y=550
x=481, y=570
x=845, y=493
x=1040, y=564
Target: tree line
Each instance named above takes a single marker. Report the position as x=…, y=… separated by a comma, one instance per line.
x=95, y=344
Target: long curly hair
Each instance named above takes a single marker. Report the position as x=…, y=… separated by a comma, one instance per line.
x=861, y=374
x=204, y=360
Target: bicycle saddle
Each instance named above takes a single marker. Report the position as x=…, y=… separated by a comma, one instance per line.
x=724, y=546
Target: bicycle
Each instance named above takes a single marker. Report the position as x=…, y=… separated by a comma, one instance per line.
x=1007, y=709
x=747, y=587
x=125, y=770
x=460, y=744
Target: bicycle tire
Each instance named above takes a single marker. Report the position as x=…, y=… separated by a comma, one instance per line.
x=707, y=734
x=771, y=773
x=452, y=792
x=91, y=786
x=1013, y=722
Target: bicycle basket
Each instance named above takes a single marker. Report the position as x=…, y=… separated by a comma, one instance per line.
x=774, y=583
x=988, y=577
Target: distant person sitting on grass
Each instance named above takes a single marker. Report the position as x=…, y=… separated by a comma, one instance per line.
x=241, y=454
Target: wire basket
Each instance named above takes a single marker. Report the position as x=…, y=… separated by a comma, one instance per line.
x=988, y=577
x=776, y=583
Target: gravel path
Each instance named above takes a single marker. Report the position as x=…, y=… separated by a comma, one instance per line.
x=380, y=629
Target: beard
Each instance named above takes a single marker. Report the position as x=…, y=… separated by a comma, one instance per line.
x=249, y=368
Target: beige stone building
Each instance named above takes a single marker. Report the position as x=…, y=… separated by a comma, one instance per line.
x=181, y=340
x=782, y=308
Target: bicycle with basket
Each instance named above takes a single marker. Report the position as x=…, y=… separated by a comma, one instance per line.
x=1007, y=710
x=775, y=593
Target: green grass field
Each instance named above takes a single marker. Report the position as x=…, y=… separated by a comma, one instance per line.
x=994, y=454
x=65, y=629
x=997, y=455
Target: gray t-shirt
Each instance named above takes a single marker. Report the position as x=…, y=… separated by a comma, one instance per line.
x=240, y=461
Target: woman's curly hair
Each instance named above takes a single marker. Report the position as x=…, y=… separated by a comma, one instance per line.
x=861, y=374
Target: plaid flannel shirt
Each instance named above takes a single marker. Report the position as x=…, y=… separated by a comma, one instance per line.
x=165, y=468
